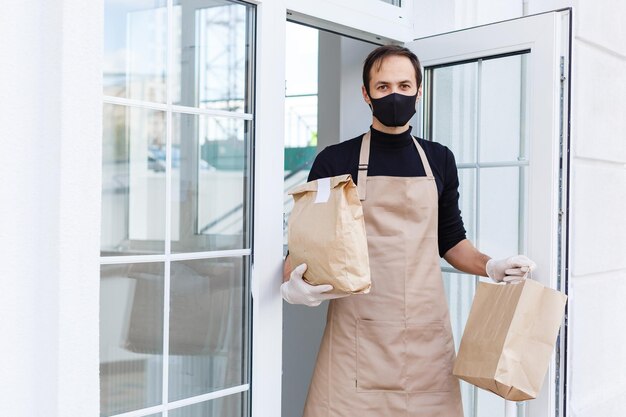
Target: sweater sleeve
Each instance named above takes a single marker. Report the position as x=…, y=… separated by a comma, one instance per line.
x=451, y=230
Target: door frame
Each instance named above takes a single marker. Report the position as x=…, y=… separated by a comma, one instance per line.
x=355, y=18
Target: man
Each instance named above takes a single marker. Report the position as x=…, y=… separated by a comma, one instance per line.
x=390, y=352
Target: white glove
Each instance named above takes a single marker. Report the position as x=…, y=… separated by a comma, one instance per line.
x=512, y=269
x=297, y=291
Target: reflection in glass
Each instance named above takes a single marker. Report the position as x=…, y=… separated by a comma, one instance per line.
x=502, y=101
x=211, y=183
x=131, y=336
x=460, y=289
x=231, y=406
x=135, y=49
x=133, y=181
x=212, y=54
x=208, y=326
x=454, y=111
x=501, y=217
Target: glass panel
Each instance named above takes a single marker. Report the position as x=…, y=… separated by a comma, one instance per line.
x=133, y=181
x=135, y=49
x=211, y=52
x=460, y=289
x=302, y=44
x=235, y=405
x=208, y=326
x=131, y=337
x=501, y=105
x=488, y=404
x=500, y=215
x=210, y=183
x=454, y=109
x=301, y=95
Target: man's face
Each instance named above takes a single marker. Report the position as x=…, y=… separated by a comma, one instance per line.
x=395, y=75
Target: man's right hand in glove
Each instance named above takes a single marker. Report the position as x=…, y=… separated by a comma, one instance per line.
x=512, y=269
x=297, y=291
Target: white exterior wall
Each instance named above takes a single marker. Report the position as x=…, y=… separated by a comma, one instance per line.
x=597, y=365
x=49, y=217
x=597, y=333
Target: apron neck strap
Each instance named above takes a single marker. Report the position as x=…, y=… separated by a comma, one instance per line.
x=427, y=169
x=364, y=157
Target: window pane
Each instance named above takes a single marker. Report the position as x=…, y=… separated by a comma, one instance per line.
x=208, y=326
x=211, y=183
x=501, y=105
x=302, y=49
x=500, y=215
x=131, y=336
x=301, y=110
x=135, y=49
x=489, y=404
x=454, y=109
x=231, y=406
x=133, y=181
x=212, y=50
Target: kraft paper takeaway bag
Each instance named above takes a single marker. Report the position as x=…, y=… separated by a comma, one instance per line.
x=509, y=338
x=327, y=232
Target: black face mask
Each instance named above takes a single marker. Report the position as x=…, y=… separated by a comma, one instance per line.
x=395, y=109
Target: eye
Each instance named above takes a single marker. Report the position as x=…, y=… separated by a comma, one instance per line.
x=382, y=87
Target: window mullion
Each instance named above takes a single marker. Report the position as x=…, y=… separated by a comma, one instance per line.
x=168, y=205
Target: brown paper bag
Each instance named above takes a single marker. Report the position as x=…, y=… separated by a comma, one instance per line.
x=327, y=232
x=509, y=338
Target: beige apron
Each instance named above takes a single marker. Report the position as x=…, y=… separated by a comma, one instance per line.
x=389, y=353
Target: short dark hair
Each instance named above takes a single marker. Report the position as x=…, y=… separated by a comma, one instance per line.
x=377, y=56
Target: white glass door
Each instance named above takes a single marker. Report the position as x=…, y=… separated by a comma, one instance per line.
x=177, y=180
x=495, y=96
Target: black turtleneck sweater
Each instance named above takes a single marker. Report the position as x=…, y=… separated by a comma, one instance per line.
x=396, y=156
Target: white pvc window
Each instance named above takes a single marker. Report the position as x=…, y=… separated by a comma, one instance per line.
x=176, y=208
x=478, y=109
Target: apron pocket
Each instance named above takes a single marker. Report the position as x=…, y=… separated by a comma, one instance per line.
x=380, y=355
x=430, y=357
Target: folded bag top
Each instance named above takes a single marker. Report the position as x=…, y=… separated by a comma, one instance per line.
x=327, y=232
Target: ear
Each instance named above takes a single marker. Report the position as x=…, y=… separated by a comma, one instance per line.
x=419, y=94
x=366, y=96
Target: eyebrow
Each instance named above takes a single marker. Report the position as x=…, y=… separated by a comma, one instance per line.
x=399, y=82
